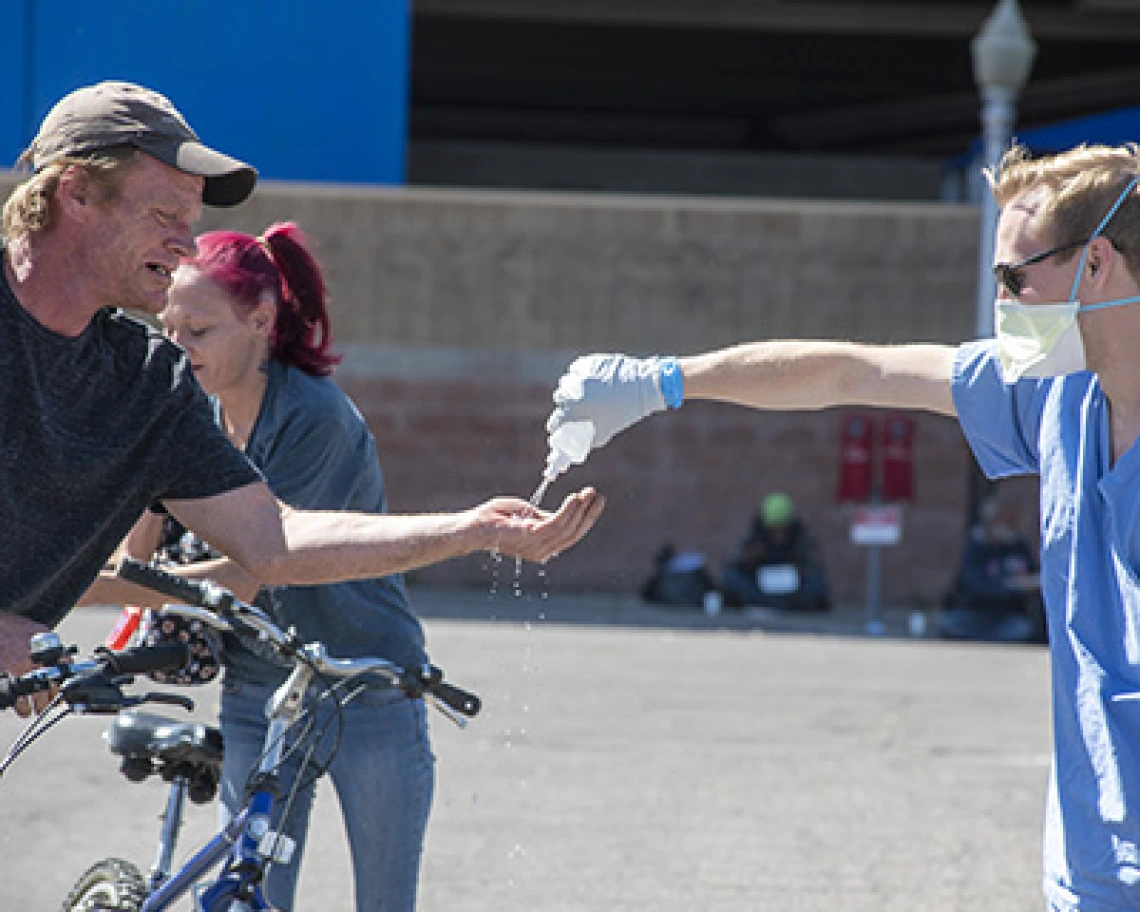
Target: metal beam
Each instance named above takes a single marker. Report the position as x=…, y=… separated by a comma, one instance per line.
x=1101, y=5
x=1094, y=19
x=1044, y=99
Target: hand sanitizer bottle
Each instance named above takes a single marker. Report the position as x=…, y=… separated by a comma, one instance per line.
x=569, y=445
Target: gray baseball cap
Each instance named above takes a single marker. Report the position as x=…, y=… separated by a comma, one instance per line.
x=124, y=114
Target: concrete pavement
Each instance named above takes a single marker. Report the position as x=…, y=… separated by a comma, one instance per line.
x=637, y=759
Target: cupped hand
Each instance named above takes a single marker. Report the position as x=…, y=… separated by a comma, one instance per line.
x=519, y=529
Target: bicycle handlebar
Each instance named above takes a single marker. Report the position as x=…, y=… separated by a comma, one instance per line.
x=457, y=698
x=106, y=664
x=415, y=682
x=219, y=608
x=145, y=659
x=202, y=593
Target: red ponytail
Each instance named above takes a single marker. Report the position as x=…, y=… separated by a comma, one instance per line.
x=278, y=262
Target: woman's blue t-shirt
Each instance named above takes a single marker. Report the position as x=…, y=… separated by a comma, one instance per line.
x=316, y=452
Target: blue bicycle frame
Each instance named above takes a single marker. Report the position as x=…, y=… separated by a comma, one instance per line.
x=247, y=839
x=247, y=845
x=236, y=840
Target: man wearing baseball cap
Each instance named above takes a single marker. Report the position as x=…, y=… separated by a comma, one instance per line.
x=112, y=114
x=101, y=416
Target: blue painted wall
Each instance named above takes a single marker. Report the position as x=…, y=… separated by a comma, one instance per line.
x=15, y=98
x=301, y=90
x=1111, y=128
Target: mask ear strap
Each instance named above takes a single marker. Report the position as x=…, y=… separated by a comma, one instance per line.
x=1086, y=308
x=1092, y=237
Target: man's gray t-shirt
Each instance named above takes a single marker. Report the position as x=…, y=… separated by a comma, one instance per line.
x=93, y=429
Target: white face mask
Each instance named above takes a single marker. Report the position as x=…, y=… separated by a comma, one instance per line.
x=1044, y=340
x=1037, y=340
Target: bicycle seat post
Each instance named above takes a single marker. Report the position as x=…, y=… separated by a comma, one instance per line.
x=168, y=837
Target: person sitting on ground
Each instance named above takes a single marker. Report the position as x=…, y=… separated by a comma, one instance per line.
x=778, y=564
x=995, y=595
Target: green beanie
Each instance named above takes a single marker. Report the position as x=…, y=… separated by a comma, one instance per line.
x=777, y=510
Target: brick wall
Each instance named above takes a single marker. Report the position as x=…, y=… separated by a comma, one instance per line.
x=458, y=310
x=693, y=477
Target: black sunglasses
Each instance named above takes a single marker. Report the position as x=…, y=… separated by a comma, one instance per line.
x=1011, y=276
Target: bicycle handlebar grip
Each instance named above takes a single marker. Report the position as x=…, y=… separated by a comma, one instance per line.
x=11, y=689
x=144, y=659
x=458, y=699
x=189, y=592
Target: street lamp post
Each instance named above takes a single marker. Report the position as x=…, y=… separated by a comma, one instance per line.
x=1003, y=53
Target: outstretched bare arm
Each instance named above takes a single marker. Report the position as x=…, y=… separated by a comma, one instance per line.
x=793, y=374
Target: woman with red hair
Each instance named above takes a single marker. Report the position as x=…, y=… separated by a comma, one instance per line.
x=252, y=315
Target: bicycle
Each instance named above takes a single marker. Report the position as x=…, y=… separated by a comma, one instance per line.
x=189, y=754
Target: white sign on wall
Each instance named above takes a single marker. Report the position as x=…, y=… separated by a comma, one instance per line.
x=877, y=525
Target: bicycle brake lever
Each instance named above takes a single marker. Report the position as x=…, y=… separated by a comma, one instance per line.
x=96, y=694
x=169, y=699
x=445, y=709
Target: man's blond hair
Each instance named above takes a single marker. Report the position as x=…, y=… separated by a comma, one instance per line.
x=29, y=211
x=1080, y=187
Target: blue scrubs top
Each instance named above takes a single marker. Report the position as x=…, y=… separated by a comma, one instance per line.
x=1058, y=428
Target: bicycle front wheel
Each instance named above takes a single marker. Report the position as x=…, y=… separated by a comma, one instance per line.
x=111, y=885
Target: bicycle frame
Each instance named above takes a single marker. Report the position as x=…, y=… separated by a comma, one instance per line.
x=247, y=845
x=234, y=840
x=247, y=839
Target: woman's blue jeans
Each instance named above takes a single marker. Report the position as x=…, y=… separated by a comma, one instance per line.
x=384, y=776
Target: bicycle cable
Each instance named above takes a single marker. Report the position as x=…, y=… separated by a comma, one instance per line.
x=311, y=736
x=304, y=731
x=35, y=729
